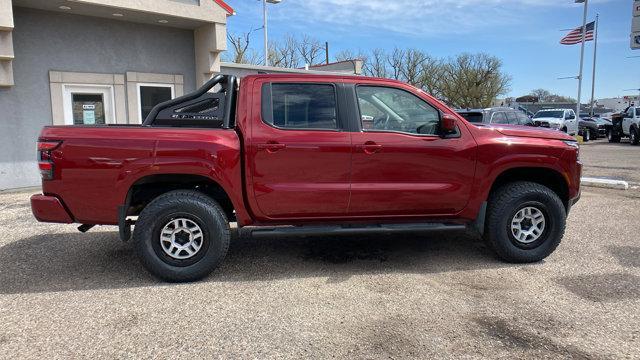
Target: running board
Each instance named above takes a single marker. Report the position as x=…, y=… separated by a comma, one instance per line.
x=311, y=230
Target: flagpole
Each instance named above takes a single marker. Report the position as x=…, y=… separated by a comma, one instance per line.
x=584, y=33
x=595, y=57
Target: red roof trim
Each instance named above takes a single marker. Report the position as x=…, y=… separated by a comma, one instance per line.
x=225, y=6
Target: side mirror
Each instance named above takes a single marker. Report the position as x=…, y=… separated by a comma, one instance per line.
x=448, y=124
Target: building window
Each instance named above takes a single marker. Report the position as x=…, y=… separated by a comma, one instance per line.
x=150, y=95
x=88, y=104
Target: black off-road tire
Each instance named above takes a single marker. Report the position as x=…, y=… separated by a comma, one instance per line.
x=586, y=135
x=179, y=204
x=503, y=205
x=611, y=137
x=633, y=136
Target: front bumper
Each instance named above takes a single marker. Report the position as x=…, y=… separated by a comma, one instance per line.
x=49, y=209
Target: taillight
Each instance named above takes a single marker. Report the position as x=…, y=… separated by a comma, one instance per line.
x=45, y=160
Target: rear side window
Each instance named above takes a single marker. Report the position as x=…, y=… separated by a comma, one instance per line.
x=499, y=118
x=512, y=117
x=474, y=117
x=300, y=106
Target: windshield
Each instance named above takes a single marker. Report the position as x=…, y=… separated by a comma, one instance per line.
x=559, y=114
x=474, y=117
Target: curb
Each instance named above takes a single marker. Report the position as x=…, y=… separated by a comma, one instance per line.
x=605, y=183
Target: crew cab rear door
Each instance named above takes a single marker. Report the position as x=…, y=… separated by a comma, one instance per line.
x=299, y=154
x=401, y=166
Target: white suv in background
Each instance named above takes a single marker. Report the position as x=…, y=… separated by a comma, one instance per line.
x=559, y=119
x=631, y=124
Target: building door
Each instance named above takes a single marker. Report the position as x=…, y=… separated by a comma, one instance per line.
x=88, y=104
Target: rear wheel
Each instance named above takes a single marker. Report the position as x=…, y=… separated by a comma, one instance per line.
x=525, y=222
x=182, y=235
x=613, y=138
x=586, y=135
x=633, y=136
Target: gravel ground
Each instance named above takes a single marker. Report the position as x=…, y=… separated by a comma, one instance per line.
x=64, y=294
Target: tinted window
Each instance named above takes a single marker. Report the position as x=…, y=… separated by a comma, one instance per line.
x=151, y=96
x=499, y=118
x=474, y=117
x=301, y=106
x=512, y=117
x=391, y=109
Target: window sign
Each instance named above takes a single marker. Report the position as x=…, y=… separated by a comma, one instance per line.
x=88, y=109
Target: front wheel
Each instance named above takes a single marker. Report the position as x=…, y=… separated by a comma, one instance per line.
x=525, y=222
x=586, y=135
x=182, y=235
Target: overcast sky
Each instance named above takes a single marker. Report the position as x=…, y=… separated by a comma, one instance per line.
x=525, y=34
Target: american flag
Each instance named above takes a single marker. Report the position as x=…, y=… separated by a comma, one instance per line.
x=575, y=36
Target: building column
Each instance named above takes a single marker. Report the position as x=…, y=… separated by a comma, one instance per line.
x=6, y=43
x=210, y=41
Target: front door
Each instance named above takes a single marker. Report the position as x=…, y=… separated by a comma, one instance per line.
x=400, y=165
x=88, y=105
x=300, y=155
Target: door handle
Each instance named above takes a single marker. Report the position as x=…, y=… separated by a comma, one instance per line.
x=271, y=146
x=370, y=147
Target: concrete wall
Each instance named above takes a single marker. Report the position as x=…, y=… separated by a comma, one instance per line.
x=45, y=41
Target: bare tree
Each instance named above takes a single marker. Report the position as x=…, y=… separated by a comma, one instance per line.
x=240, y=44
x=310, y=50
x=377, y=64
x=285, y=53
x=412, y=67
x=546, y=96
x=432, y=76
x=473, y=80
x=395, y=61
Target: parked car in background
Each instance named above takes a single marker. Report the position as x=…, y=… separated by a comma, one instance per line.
x=496, y=115
x=558, y=119
x=592, y=128
x=625, y=124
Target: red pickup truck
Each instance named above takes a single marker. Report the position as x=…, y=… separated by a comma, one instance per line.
x=302, y=155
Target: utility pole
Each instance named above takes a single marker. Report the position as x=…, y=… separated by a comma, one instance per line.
x=264, y=26
x=595, y=56
x=266, y=37
x=584, y=34
x=326, y=52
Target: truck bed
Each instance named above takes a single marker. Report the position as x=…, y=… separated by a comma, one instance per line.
x=95, y=167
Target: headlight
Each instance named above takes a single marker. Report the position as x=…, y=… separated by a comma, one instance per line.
x=574, y=144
